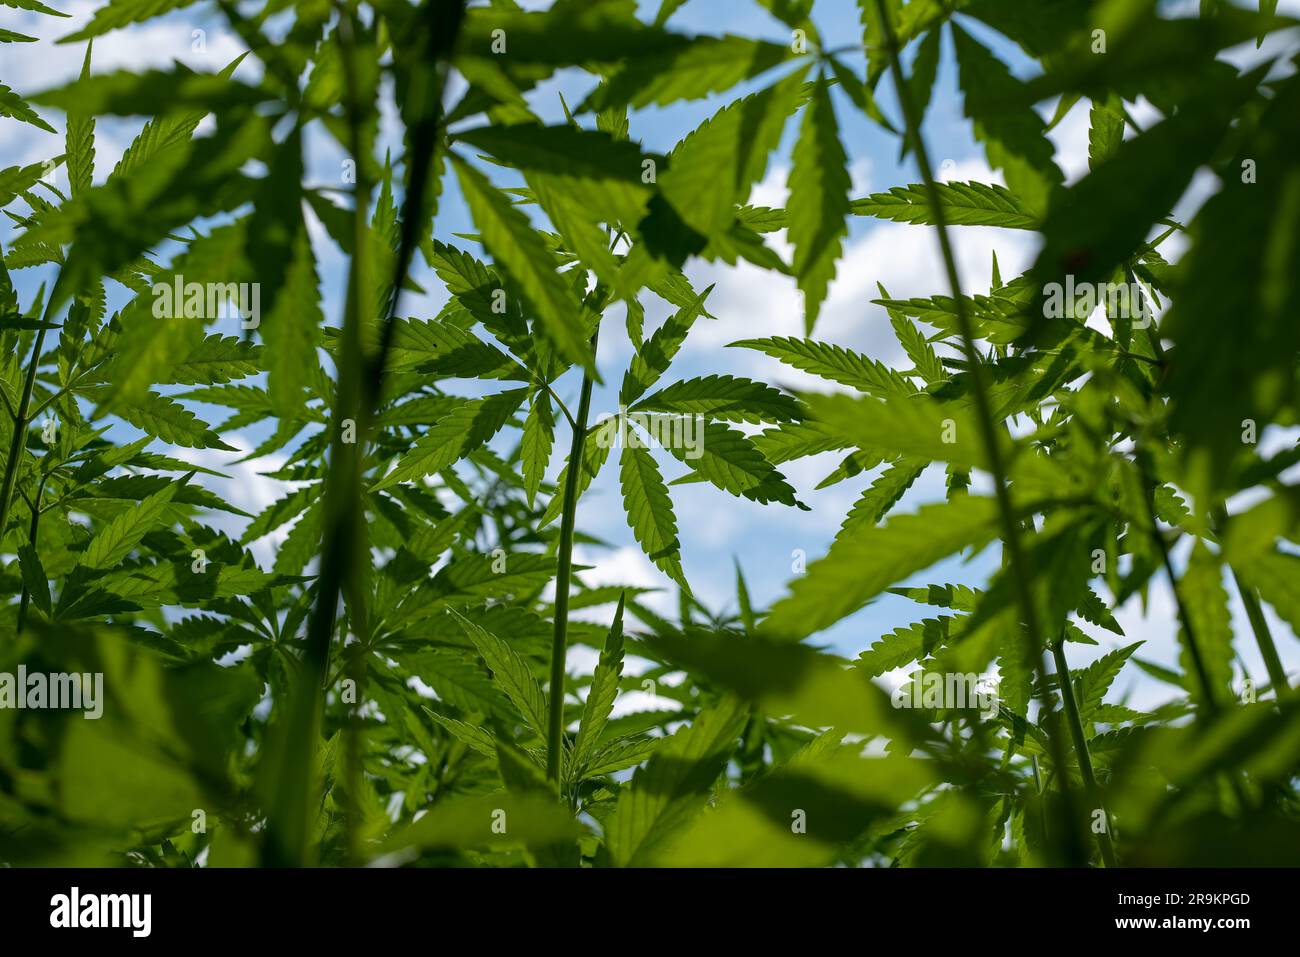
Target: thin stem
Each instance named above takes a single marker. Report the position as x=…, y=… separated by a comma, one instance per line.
x=1264, y=638
x=564, y=572
x=1104, y=841
x=984, y=414
x=21, y=420
x=342, y=521
x=344, y=557
x=26, y=598
x=1193, y=649
x=1258, y=623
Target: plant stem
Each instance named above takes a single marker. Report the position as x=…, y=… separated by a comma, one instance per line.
x=21, y=421
x=342, y=525
x=1258, y=623
x=1104, y=841
x=26, y=598
x=1264, y=638
x=1193, y=649
x=984, y=414
x=564, y=572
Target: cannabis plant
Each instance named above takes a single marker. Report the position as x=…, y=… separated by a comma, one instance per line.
x=397, y=659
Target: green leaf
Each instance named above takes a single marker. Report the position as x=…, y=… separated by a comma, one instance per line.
x=471, y=821
x=115, y=540
x=167, y=131
x=119, y=13
x=673, y=785
x=81, y=139
x=920, y=427
x=833, y=794
x=1206, y=601
x=152, y=93
x=724, y=398
x=915, y=642
x=600, y=694
x=730, y=460
x=170, y=421
x=814, y=689
x=35, y=580
x=595, y=452
x=650, y=511
x=964, y=204
x=832, y=362
x=1014, y=136
x=459, y=432
x=656, y=354
x=280, y=247
x=217, y=360
x=606, y=173
x=13, y=105
x=703, y=66
x=925, y=360
x=819, y=201
x=714, y=167
x=871, y=558
x=510, y=672
x=881, y=496
x=15, y=180
x=1095, y=680
x=1105, y=129
x=535, y=447
x=1277, y=576
x=517, y=247
x=36, y=6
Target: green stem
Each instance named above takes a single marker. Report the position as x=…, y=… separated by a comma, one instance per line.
x=26, y=598
x=1104, y=841
x=1264, y=638
x=1193, y=649
x=984, y=414
x=564, y=572
x=21, y=421
x=287, y=832
x=1258, y=624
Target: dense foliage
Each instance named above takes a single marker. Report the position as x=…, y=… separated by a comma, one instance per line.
x=396, y=685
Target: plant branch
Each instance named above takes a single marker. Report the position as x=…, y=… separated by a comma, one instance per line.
x=21, y=421
x=564, y=573
x=984, y=413
x=1071, y=706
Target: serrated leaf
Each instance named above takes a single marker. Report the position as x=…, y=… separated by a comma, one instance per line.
x=832, y=362
x=510, y=673
x=535, y=447
x=515, y=245
x=650, y=511
x=862, y=564
x=656, y=354
x=819, y=201
x=115, y=540
x=723, y=398
x=673, y=784
x=600, y=694
x=963, y=204
x=119, y=13
x=454, y=436
x=730, y=460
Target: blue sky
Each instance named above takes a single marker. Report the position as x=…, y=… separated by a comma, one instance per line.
x=715, y=528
